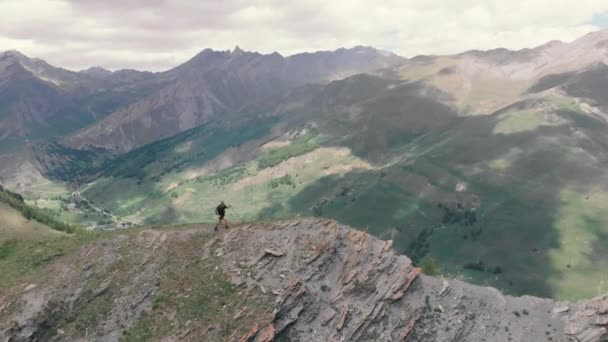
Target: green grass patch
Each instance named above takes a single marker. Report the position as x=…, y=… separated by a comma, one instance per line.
x=160, y=299
x=226, y=176
x=308, y=142
x=28, y=257
x=8, y=248
x=523, y=121
x=285, y=180
x=578, y=261
x=206, y=299
x=147, y=329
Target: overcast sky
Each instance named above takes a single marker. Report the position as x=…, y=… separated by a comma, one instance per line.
x=159, y=34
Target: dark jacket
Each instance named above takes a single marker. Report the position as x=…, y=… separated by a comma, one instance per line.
x=221, y=209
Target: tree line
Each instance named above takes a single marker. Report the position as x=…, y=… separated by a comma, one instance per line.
x=16, y=201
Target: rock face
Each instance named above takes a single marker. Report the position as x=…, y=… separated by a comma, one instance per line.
x=321, y=281
x=338, y=284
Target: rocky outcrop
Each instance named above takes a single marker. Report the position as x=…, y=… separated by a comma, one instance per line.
x=333, y=283
x=317, y=280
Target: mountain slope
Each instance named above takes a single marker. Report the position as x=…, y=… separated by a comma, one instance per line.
x=332, y=283
x=481, y=82
x=40, y=102
x=16, y=227
x=214, y=83
x=25, y=98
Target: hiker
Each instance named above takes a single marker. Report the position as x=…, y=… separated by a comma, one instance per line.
x=220, y=211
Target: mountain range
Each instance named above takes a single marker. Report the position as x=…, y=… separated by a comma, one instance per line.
x=127, y=109
x=491, y=163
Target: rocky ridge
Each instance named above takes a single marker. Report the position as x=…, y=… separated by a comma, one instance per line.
x=315, y=280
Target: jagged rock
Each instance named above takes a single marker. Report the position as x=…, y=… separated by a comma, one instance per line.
x=370, y=293
x=267, y=334
x=602, y=307
x=273, y=253
x=445, y=288
x=102, y=289
x=251, y=334
x=561, y=308
x=602, y=320
x=240, y=313
x=29, y=287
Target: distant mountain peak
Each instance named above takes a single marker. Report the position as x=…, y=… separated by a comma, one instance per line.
x=12, y=54
x=237, y=50
x=553, y=43
x=97, y=68
x=97, y=71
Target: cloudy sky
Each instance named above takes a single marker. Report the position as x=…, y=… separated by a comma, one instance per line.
x=159, y=34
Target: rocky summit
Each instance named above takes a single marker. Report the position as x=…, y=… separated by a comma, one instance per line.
x=298, y=280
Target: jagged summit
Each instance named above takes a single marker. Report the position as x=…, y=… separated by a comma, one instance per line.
x=237, y=50
x=301, y=280
x=97, y=71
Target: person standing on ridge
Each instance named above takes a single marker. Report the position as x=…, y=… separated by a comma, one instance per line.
x=220, y=211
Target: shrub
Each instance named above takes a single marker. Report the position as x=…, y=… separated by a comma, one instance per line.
x=429, y=266
x=285, y=180
x=297, y=147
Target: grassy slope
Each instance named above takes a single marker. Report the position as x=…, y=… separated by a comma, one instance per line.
x=16, y=227
x=27, y=246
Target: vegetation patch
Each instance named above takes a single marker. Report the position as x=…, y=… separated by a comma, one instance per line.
x=147, y=329
x=285, y=180
x=308, y=142
x=579, y=258
x=20, y=258
x=429, y=266
x=523, y=121
x=206, y=299
x=17, y=202
x=226, y=176
x=502, y=164
x=8, y=248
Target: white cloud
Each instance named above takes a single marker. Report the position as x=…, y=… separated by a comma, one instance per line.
x=158, y=34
